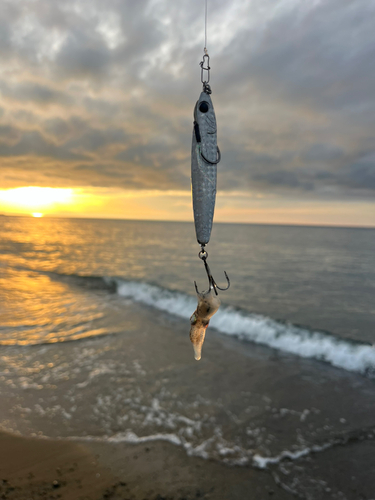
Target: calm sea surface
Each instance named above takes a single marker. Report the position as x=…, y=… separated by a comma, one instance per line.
x=94, y=324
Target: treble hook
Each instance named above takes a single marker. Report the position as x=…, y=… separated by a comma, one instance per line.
x=213, y=285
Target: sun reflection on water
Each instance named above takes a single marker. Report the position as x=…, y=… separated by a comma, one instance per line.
x=41, y=309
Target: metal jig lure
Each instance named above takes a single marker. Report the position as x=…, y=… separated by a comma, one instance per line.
x=205, y=155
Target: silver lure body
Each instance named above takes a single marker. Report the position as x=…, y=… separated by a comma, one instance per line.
x=205, y=155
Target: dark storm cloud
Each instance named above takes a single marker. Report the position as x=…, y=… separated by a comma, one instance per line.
x=108, y=91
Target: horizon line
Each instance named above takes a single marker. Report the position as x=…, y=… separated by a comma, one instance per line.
x=292, y=224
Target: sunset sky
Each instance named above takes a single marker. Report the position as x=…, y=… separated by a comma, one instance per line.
x=97, y=99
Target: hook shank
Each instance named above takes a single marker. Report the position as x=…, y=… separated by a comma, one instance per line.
x=212, y=283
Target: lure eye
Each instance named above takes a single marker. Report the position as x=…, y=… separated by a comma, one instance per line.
x=203, y=107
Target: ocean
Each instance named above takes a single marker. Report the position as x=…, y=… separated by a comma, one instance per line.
x=94, y=340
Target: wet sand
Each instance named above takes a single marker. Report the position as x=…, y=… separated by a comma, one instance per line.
x=32, y=468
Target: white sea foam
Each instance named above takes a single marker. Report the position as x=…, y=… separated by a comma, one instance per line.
x=175, y=303
x=339, y=352
x=263, y=462
x=132, y=438
x=244, y=457
x=202, y=450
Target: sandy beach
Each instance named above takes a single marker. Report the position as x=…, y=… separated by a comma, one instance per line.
x=32, y=468
x=40, y=468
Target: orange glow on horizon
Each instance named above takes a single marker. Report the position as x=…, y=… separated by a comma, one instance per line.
x=232, y=207
x=39, y=201
x=33, y=198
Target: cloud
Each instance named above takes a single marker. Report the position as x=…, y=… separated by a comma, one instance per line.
x=36, y=93
x=103, y=95
x=81, y=57
x=361, y=174
x=33, y=142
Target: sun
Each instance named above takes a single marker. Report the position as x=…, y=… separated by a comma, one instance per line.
x=36, y=200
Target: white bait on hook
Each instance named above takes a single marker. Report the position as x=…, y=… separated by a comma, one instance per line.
x=208, y=305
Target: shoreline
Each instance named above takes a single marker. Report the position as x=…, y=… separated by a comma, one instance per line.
x=38, y=468
x=48, y=469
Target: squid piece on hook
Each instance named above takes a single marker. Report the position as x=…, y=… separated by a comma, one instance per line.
x=208, y=305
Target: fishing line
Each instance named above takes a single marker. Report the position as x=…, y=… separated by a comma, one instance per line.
x=205, y=28
x=205, y=63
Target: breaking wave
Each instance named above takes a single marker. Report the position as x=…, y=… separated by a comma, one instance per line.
x=342, y=353
x=347, y=354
